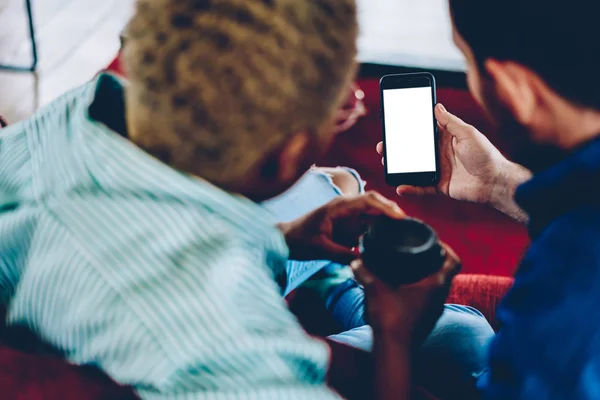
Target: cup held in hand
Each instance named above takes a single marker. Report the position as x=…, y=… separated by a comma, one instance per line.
x=401, y=252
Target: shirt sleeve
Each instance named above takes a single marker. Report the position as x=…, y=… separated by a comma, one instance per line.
x=218, y=317
x=549, y=344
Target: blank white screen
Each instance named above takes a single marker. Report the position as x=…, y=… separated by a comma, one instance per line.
x=410, y=142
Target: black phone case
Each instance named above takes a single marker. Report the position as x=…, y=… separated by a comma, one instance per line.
x=401, y=81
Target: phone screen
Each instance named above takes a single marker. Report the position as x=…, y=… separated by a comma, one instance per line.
x=409, y=130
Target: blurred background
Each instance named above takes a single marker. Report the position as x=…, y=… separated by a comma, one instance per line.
x=77, y=38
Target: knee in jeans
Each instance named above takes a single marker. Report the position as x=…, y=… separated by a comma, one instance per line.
x=455, y=353
x=347, y=183
x=461, y=337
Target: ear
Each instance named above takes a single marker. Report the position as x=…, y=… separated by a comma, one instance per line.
x=515, y=88
x=291, y=158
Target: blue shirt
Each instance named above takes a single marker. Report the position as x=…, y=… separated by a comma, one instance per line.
x=161, y=279
x=549, y=343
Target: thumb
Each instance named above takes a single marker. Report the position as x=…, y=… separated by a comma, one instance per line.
x=362, y=274
x=451, y=123
x=337, y=252
x=406, y=190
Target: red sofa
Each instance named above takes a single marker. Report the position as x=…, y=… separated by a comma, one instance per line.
x=488, y=243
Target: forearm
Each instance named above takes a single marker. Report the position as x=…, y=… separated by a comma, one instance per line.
x=392, y=369
x=503, y=193
x=383, y=374
x=351, y=371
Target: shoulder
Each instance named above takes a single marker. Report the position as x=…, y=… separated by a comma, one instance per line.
x=58, y=114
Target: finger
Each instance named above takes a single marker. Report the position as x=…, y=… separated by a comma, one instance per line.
x=383, y=161
x=336, y=252
x=381, y=299
x=373, y=203
x=362, y=274
x=452, y=265
x=406, y=190
x=451, y=123
x=443, y=278
x=379, y=148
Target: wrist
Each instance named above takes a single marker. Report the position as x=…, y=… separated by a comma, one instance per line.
x=502, y=193
x=400, y=339
x=284, y=227
x=393, y=367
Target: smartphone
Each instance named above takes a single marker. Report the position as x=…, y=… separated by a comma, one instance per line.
x=410, y=132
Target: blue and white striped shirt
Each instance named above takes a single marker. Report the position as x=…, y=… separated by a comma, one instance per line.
x=160, y=279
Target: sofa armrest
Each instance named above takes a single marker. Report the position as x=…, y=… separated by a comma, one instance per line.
x=482, y=292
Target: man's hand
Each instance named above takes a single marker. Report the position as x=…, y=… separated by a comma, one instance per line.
x=472, y=169
x=332, y=231
x=407, y=315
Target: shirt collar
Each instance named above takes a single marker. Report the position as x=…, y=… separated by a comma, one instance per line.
x=571, y=184
x=137, y=170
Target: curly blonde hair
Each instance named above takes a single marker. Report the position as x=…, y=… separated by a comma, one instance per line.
x=216, y=84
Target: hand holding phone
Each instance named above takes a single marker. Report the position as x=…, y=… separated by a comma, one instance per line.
x=410, y=132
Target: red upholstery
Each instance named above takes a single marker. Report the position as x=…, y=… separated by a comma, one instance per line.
x=482, y=292
x=34, y=377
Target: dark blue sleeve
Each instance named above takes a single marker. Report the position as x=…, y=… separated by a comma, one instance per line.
x=549, y=343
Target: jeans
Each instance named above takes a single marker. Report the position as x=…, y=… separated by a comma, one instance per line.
x=455, y=353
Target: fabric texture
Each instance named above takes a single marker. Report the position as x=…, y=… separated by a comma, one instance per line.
x=181, y=275
x=549, y=344
x=482, y=292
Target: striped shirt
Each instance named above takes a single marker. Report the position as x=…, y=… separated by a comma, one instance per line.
x=162, y=280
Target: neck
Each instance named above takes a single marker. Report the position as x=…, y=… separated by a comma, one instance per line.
x=575, y=126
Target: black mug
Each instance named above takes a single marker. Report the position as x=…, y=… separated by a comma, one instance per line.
x=401, y=252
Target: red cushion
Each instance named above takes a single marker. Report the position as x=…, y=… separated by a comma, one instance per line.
x=482, y=292
x=31, y=377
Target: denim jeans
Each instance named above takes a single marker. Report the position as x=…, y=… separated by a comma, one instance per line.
x=453, y=356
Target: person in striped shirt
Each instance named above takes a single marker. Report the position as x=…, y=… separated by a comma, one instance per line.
x=133, y=237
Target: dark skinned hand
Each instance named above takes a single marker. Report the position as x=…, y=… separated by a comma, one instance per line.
x=332, y=231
